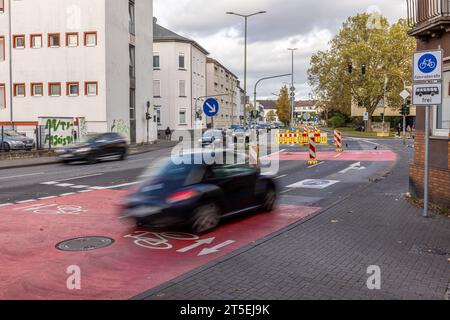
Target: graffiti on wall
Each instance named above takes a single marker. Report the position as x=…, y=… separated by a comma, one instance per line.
x=120, y=126
x=58, y=131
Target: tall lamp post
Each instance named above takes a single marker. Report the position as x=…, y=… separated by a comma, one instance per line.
x=292, y=88
x=245, y=16
x=11, y=114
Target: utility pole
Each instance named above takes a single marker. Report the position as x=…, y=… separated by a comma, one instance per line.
x=11, y=114
x=292, y=91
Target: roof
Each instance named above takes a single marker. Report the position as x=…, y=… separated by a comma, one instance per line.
x=268, y=104
x=161, y=34
x=307, y=103
x=211, y=60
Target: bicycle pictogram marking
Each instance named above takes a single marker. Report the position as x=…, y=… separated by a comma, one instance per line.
x=159, y=241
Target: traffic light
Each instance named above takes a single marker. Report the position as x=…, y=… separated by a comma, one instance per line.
x=405, y=111
x=148, y=116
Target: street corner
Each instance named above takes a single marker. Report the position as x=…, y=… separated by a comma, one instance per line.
x=44, y=243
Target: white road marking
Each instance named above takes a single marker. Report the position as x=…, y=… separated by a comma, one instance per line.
x=121, y=185
x=81, y=177
x=26, y=201
x=64, y=185
x=286, y=191
x=215, y=249
x=22, y=175
x=338, y=155
x=6, y=204
x=280, y=177
x=313, y=184
x=97, y=188
x=47, y=198
x=80, y=187
x=197, y=244
x=50, y=183
x=67, y=194
x=355, y=166
x=85, y=191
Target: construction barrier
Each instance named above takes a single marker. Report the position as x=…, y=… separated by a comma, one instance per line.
x=302, y=138
x=312, y=151
x=338, y=140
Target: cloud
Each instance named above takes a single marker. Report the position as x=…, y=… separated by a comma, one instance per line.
x=308, y=25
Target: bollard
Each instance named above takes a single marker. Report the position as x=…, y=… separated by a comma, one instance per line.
x=312, y=151
x=338, y=140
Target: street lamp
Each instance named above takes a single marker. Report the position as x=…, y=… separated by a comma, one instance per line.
x=245, y=16
x=10, y=65
x=266, y=78
x=292, y=87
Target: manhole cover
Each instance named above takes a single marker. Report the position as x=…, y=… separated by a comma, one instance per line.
x=85, y=244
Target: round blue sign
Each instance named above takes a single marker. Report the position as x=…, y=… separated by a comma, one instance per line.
x=427, y=63
x=211, y=107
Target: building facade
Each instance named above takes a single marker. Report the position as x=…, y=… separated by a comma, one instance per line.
x=430, y=25
x=179, y=85
x=84, y=63
x=223, y=84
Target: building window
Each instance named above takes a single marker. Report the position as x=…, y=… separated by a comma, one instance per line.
x=441, y=113
x=182, y=87
x=2, y=49
x=158, y=115
x=54, y=40
x=36, y=41
x=182, y=117
x=37, y=89
x=181, y=64
x=19, y=90
x=132, y=61
x=19, y=42
x=157, y=88
x=54, y=89
x=2, y=6
x=90, y=39
x=72, y=89
x=132, y=20
x=156, y=61
x=91, y=88
x=72, y=39
x=2, y=96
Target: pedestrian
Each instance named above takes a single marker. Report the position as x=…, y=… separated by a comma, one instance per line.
x=399, y=129
x=168, y=134
x=408, y=130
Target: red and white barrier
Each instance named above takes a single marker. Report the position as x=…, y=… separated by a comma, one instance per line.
x=312, y=151
x=338, y=140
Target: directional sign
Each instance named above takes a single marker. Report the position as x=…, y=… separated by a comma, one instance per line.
x=427, y=94
x=216, y=248
x=356, y=166
x=316, y=118
x=211, y=107
x=428, y=66
x=404, y=94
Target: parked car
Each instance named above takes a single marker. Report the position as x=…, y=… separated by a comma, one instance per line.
x=276, y=125
x=212, y=137
x=12, y=140
x=198, y=196
x=95, y=147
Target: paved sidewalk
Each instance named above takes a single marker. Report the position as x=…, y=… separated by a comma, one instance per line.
x=29, y=162
x=327, y=256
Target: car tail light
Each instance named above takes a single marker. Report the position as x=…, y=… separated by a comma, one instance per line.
x=181, y=196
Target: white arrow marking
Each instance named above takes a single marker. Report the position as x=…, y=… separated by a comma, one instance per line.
x=355, y=166
x=211, y=108
x=197, y=243
x=215, y=249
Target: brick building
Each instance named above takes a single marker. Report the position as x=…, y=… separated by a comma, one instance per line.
x=430, y=25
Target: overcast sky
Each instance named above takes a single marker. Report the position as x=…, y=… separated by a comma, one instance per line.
x=308, y=25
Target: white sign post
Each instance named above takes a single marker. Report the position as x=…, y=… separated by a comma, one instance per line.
x=427, y=91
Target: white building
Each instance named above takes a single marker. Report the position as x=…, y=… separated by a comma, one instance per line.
x=223, y=85
x=179, y=84
x=84, y=63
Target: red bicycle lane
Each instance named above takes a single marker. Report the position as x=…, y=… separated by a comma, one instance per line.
x=138, y=259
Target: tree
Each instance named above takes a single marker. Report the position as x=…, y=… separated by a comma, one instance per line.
x=284, y=106
x=363, y=61
x=271, y=116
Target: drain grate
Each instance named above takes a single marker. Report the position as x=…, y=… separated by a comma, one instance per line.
x=85, y=244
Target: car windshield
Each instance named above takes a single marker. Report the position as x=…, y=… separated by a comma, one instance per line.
x=11, y=133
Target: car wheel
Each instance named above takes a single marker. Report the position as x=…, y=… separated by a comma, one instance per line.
x=123, y=155
x=269, y=199
x=6, y=147
x=206, y=218
x=92, y=159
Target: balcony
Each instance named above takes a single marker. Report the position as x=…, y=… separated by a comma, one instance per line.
x=428, y=18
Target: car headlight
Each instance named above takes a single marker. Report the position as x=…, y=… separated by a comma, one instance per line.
x=83, y=150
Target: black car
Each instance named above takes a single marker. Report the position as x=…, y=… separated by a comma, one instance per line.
x=198, y=196
x=94, y=147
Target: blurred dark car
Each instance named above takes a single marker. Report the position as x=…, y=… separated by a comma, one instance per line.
x=198, y=196
x=95, y=147
x=12, y=140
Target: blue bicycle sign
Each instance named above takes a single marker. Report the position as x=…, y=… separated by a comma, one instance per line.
x=427, y=63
